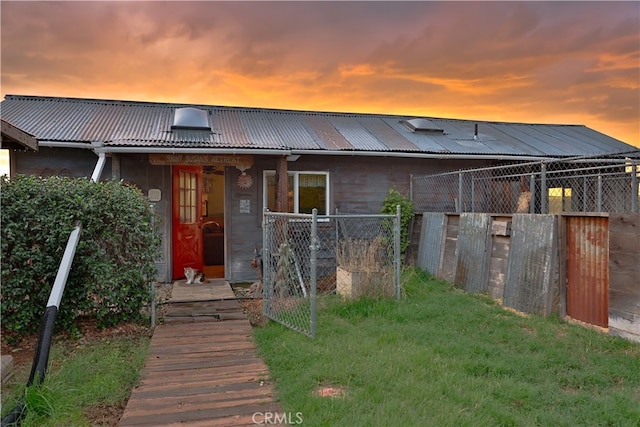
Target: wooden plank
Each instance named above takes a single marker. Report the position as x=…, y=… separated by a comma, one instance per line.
x=624, y=324
x=501, y=228
x=207, y=416
x=214, y=289
x=626, y=223
x=204, y=373
x=624, y=301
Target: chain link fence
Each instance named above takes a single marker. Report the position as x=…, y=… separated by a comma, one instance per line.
x=305, y=256
x=581, y=184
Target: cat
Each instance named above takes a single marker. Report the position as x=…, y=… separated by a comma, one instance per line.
x=194, y=276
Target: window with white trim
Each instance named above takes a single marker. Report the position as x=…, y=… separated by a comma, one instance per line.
x=307, y=190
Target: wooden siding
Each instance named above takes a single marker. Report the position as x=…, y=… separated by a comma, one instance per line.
x=137, y=170
x=357, y=184
x=59, y=162
x=500, y=244
x=624, y=275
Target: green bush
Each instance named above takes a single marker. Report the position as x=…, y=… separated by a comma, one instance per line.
x=114, y=260
x=389, y=207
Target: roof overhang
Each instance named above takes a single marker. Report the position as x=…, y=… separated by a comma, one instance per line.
x=99, y=148
x=14, y=137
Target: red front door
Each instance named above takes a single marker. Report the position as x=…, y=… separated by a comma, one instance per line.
x=187, y=219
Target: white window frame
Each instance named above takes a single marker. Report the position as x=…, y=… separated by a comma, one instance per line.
x=296, y=174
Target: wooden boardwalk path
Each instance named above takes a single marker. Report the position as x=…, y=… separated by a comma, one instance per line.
x=201, y=370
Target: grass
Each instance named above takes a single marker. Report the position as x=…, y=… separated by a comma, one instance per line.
x=442, y=357
x=86, y=384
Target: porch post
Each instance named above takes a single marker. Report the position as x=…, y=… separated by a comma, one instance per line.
x=282, y=183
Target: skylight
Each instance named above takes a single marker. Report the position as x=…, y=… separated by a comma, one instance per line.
x=190, y=118
x=422, y=125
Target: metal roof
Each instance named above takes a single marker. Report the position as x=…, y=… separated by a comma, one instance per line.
x=146, y=124
x=12, y=136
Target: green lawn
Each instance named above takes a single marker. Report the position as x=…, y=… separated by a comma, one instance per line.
x=87, y=384
x=445, y=358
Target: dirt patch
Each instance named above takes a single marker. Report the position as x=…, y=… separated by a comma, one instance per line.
x=330, y=391
x=87, y=332
x=105, y=416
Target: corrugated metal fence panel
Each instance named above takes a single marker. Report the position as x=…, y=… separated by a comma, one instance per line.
x=447, y=268
x=588, y=269
x=431, y=241
x=473, y=252
x=531, y=268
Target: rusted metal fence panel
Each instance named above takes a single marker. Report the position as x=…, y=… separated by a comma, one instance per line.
x=587, y=268
x=473, y=252
x=431, y=242
x=531, y=269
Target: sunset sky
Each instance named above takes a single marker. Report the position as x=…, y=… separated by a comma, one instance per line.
x=534, y=62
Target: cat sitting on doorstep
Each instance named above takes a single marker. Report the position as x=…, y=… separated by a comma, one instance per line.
x=194, y=276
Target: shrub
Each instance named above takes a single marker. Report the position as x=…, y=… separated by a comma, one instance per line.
x=114, y=260
x=389, y=206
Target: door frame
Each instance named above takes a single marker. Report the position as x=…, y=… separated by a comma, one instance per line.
x=191, y=229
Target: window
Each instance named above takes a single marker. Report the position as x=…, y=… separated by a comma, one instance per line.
x=307, y=190
x=188, y=197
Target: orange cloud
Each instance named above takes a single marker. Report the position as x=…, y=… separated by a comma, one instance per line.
x=552, y=62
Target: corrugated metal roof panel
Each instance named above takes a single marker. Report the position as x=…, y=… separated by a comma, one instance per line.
x=329, y=136
x=422, y=141
x=293, y=131
x=149, y=124
x=386, y=134
x=357, y=135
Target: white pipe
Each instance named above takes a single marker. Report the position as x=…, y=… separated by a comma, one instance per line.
x=173, y=150
x=97, y=171
x=63, y=271
x=59, y=144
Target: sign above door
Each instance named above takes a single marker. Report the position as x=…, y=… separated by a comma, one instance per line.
x=239, y=161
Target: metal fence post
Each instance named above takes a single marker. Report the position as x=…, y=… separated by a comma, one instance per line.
x=266, y=272
x=152, y=284
x=473, y=194
x=584, y=194
x=532, y=189
x=599, y=192
x=397, y=249
x=314, y=265
x=544, y=197
x=459, y=204
x=634, y=188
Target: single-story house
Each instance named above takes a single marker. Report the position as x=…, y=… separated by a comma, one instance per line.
x=210, y=171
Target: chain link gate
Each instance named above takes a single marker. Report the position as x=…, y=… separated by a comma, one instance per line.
x=306, y=255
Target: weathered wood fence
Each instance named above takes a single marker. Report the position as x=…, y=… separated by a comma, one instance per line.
x=585, y=266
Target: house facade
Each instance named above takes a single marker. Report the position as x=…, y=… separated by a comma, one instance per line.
x=210, y=171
